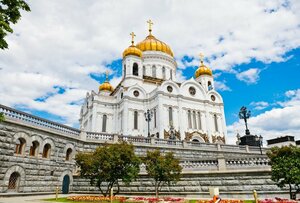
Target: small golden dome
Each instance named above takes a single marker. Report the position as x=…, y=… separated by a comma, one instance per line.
x=132, y=50
x=153, y=44
x=203, y=69
x=106, y=86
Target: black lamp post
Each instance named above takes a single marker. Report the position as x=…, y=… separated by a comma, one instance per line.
x=259, y=139
x=148, y=116
x=244, y=114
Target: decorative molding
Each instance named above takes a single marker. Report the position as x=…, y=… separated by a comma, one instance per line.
x=167, y=135
x=218, y=138
x=189, y=136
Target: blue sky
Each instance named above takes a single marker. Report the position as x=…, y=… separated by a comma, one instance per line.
x=254, y=51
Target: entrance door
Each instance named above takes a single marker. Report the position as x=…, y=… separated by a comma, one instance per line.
x=66, y=184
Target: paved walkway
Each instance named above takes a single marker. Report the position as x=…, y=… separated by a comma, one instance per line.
x=27, y=199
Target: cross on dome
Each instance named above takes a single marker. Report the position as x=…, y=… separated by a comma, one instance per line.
x=150, y=23
x=132, y=37
x=201, y=57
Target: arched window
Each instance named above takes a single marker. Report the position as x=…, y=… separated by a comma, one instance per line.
x=14, y=181
x=46, y=151
x=170, y=116
x=135, y=69
x=209, y=86
x=20, y=146
x=68, y=154
x=144, y=70
x=124, y=70
x=104, y=120
x=189, y=119
x=164, y=73
x=154, y=118
x=171, y=75
x=216, y=123
x=135, y=120
x=34, y=149
x=154, y=71
x=194, y=120
x=199, y=121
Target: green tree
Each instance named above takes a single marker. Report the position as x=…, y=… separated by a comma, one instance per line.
x=9, y=13
x=285, y=163
x=164, y=169
x=109, y=164
x=1, y=117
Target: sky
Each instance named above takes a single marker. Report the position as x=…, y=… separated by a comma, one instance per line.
x=61, y=50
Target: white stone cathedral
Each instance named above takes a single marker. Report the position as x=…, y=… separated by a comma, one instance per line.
x=192, y=110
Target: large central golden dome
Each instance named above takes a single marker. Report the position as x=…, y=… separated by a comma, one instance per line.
x=153, y=44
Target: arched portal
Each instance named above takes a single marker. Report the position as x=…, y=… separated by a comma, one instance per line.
x=14, y=182
x=66, y=184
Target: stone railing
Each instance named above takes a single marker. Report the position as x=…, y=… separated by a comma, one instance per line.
x=134, y=139
x=254, y=162
x=99, y=136
x=15, y=115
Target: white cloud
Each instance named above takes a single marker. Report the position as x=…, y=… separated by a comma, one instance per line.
x=259, y=105
x=279, y=121
x=221, y=85
x=59, y=43
x=249, y=76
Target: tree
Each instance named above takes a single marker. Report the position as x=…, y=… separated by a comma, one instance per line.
x=2, y=117
x=285, y=163
x=9, y=13
x=164, y=169
x=108, y=164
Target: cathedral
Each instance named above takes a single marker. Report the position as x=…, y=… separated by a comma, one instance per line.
x=149, y=102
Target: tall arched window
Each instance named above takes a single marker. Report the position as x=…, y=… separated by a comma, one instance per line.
x=20, y=146
x=170, y=116
x=34, y=148
x=194, y=120
x=154, y=118
x=135, y=120
x=14, y=181
x=68, y=154
x=164, y=73
x=199, y=121
x=104, y=121
x=124, y=70
x=171, y=75
x=144, y=70
x=189, y=119
x=216, y=123
x=46, y=151
x=135, y=69
x=209, y=86
x=154, y=71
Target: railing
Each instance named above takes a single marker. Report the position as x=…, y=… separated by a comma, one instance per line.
x=99, y=136
x=134, y=139
x=202, y=145
x=255, y=162
x=163, y=142
x=23, y=117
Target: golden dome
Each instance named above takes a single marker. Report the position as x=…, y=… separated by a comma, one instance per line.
x=203, y=69
x=153, y=44
x=132, y=50
x=106, y=86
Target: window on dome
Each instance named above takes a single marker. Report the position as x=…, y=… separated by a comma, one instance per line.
x=104, y=120
x=209, y=85
x=171, y=75
x=154, y=71
x=135, y=120
x=189, y=119
x=124, y=70
x=164, y=72
x=135, y=69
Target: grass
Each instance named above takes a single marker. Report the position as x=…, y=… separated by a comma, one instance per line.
x=64, y=199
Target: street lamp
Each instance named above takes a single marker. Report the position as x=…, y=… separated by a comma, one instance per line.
x=259, y=139
x=244, y=114
x=148, y=116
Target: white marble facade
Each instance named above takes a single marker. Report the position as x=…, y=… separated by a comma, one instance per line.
x=192, y=107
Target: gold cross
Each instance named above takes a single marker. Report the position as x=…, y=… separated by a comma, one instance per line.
x=150, y=23
x=106, y=75
x=201, y=57
x=132, y=37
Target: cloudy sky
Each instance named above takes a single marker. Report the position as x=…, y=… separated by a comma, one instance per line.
x=61, y=50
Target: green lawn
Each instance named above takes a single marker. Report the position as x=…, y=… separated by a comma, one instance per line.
x=64, y=199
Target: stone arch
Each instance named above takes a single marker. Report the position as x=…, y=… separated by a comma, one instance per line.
x=51, y=143
x=69, y=146
x=61, y=178
x=23, y=136
x=20, y=170
x=39, y=139
x=200, y=92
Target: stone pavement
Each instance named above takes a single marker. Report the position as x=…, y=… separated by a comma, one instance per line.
x=28, y=199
